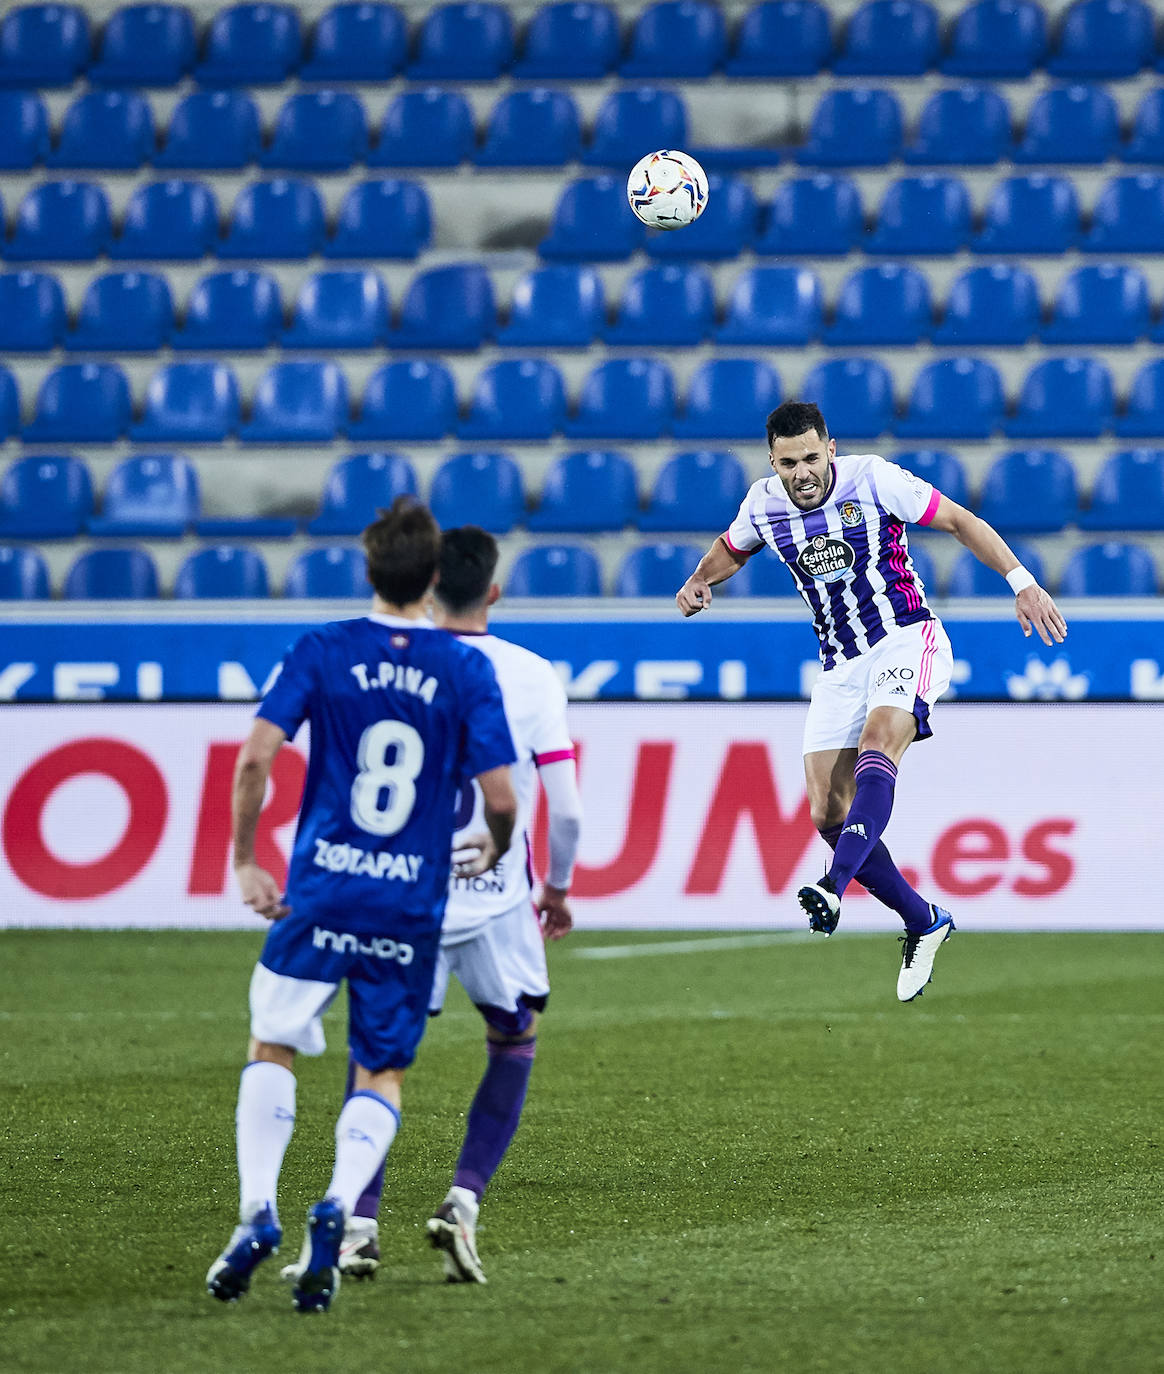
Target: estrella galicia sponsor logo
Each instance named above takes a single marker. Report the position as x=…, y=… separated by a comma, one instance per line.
x=851, y=514
x=350, y=858
x=826, y=559
x=379, y=946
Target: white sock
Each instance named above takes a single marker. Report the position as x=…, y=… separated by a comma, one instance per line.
x=265, y=1118
x=365, y=1129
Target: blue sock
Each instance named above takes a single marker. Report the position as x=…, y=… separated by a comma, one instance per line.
x=876, y=776
x=881, y=876
x=495, y=1113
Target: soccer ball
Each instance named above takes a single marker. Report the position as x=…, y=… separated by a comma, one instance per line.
x=667, y=189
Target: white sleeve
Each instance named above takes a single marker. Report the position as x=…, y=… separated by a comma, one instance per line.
x=549, y=733
x=742, y=535
x=902, y=494
x=560, y=780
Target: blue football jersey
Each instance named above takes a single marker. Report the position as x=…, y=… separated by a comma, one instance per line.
x=400, y=713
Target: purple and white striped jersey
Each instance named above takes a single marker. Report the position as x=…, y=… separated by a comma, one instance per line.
x=848, y=556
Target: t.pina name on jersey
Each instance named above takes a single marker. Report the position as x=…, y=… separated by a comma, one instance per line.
x=398, y=675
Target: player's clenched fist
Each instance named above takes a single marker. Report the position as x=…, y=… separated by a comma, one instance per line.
x=260, y=891
x=693, y=596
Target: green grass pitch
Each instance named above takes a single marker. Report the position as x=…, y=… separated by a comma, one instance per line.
x=742, y=1158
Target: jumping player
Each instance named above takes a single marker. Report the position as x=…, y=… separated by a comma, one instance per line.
x=839, y=526
x=400, y=713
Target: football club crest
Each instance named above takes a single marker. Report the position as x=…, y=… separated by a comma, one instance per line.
x=399, y=641
x=851, y=514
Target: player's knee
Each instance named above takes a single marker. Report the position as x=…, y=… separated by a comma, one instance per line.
x=264, y=1051
x=827, y=812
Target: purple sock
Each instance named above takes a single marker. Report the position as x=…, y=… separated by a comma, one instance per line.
x=868, y=816
x=881, y=876
x=495, y=1113
x=368, y=1204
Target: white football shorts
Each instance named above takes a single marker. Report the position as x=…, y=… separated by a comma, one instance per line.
x=289, y=1011
x=501, y=965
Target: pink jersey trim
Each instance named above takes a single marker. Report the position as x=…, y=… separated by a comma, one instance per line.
x=727, y=539
x=932, y=508
x=555, y=756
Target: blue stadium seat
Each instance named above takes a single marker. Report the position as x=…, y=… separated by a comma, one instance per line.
x=886, y=304
x=32, y=312
x=954, y=398
x=966, y=125
x=516, y=399
x=922, y=215
x=994, y=304
x=1144, y=414
x=427, y=128
x=1105, y=303
x=1029, y=491
x=111, y=129
x=1072, y=124
x=775, y=306
x=938, y=467
x=194, y=402
x=24, y=131
x=969, y=577
x=1064, y=398
x=889, y=38
x=724, y=230
x=569, y=42
x=357, y=487
x=591, y=223
x=1110, y=569
x=9, y=404
x=232, y=311
x=222, y=572
x=856, y=126
x=1103, y=38
x=45, y=497
x=1147, y=141
x=1128, y=492
x=275, y=219
x=624, y=398
x=298, y=403
x=762, y=575
x=112, y=575
x=447, y=307
x=656, y=569
x=407, y=400
x=322, y=131
x=43, y=45
x=149, y=497
x=676, y=39
x=534, y=128
x=1029, y=214
x=169, y=221
x=339, y=310
x=23, y=575
x=924, y=565
x=145, y=45
x=335, y=573
x=669, y=304
x=560, y=306
x=781, y=38
x=1128, y=216
x=357, y=41
x=555, y=570
x=463, y=42
x=728, y=398
x=251, y=45
x=218, y=129
x=588, y=492
x=700, y=489
x=856, y=395
x=631, y=122
x=997, y=38
x=381, y=219
x=60, y=221
x=817, y=215
x=478, y=488
x=82, y=402
x=123, y=312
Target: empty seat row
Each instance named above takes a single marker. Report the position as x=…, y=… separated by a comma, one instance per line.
x=258, y=43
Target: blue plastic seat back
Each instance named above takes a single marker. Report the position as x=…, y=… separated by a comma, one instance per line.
x=673, y=303
x=61, y=221
x=381, y=219
x=447, y=307
x=1128, y=492
x=1128, y=216
x=773, y=305
x=558, y=306
x=1144, y=416
x=32, y=312
x=463, y=42
x=990, y=304
x=569, y=41
x=224, y=571
x=169, y=221
x=426, y=128
x=43, y=45
x=1104, y=303
x=631, y=398
x=298, y=402
x=532, y=128
x=479, y=488
x=923, y=214
x=24, y=130
x=337, y=573
x=856, y=394
x=357, y=41
x=251, y=45
x=113, y=129
x=23, y=575
x=656, y=569
x=586, y=492
x=319, y=131
x=856, y=126
x=885, y=304
x=516, y=399
x=939, y=467
x=728, y=398
x=965, y=124
x=156, y=494
x=124, y=311
x=232, y=310
x=145, y=45
x=889, y=38
x=700, y=489
x=45, y=497
x=764, y=574
x=997, y=38
x=82, y=402
x=1030, y=214
x=197, y=402
x=819, y=215
x=112, y=575
x=591, y=223
x=1109, y=569
x=339, y=310
x=781, y=38
x=634, y=121
x=555, y=570
x=969, y=577
x=1029, y=491
x=212, y=129
x=407, y=400
x=1103, y=38
x=676, y=38
x=1147, y=141
x=725, y=229
x=357, y=487
x=1073, y=124
x=1069, y=398
x=275, y=219
x=9, y=404
x=958, y=398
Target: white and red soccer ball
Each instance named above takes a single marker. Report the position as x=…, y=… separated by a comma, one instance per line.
x=667, y=189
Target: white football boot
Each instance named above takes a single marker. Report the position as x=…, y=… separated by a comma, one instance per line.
x=919, y=949
x=453, y=1229
x=359, y=1253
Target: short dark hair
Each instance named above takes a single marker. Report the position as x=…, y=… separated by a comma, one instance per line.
x=403, y=548
x=796, y=417
x=468, y=561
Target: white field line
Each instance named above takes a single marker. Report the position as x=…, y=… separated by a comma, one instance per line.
x=717, y=942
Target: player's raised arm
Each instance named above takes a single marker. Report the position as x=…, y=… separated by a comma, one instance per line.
x=259, y=889
x=718, y=564
x=1033, y=606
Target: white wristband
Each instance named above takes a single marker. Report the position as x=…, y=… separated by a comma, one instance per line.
x=1020, y=579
